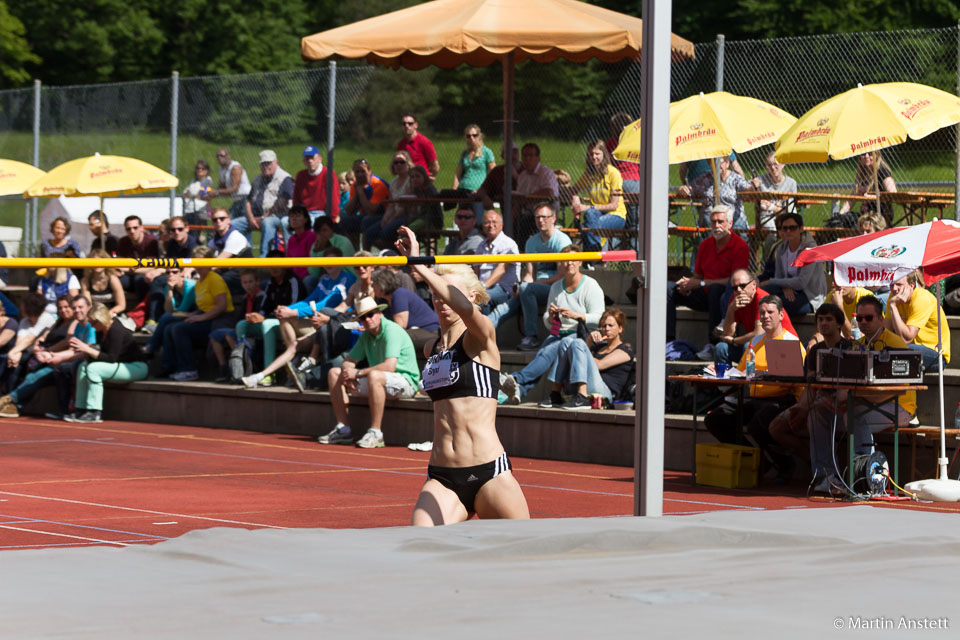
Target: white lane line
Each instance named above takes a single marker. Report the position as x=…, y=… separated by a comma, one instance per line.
x=159, y=513
x=63, y=535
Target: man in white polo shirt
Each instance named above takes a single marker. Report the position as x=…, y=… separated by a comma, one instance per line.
x=499, y=278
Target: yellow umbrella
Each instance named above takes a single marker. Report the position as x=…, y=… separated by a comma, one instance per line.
x=868, y=118
x=15, y=177
x=102, y=176
x=712, y=125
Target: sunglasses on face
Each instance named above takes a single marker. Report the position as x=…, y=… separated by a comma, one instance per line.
x=178, y=228
x=737, y=287
x=789, y=227
x=408, y=123
x=464, y=217
x=865, y=317
x=220, y=218
x=221, y=155
x=399, y=162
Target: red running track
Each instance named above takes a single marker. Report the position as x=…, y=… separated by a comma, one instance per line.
x=117, y=483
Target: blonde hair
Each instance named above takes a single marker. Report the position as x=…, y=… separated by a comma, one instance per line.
x=467, y=277
x=58, y=275
x=99, y=313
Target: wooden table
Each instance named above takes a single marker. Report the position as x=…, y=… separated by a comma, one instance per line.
x=741, y=383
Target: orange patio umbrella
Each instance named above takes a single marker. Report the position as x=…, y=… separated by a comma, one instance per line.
x=447, y=33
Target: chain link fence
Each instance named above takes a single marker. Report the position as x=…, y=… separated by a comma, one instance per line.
x=288, y=110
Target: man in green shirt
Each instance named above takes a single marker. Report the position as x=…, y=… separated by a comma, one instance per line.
x=392, y=371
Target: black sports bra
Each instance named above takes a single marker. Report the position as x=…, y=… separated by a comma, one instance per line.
x=451, y=374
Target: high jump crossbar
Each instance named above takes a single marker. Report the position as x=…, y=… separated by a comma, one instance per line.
x=352, y=261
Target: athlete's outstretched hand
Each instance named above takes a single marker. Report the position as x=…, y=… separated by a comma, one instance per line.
x=407, y=245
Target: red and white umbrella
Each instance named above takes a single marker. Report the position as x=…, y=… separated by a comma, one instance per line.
x=880, y=258
x=885, y=256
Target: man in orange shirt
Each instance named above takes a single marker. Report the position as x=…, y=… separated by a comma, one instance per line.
x=766, y=401
x=365, y=206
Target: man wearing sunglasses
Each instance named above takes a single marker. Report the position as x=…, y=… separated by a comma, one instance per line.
x=743, y=317
x=821, y=420
x=419, y=147
x=469, y=237
x=234, y=183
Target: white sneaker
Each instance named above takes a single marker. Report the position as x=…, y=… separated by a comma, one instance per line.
x=421, y=446
x=509, y=386
x=706, y=354
x=529, y=343
x=371, y=440
x=306, y=364
x=251, y=381
x=340, y=435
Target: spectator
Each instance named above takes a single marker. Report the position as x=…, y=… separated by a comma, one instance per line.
x=224, y=339
x=267, y=203
x=824, y=415
x=498, y=278
x=234, y=183
x=574, y=298
x=468, y=239
x=789, y=429
x=741, y=324
x=492, y=188
x=717, y=258
x=346, y=179
x=213, y=301
x=418, y=145
x=731, y=184
x=284, y=289
x=476, y=161
x=914, y=315
x=56, y=282
x=97, y=224
x=116, y=359
x=197, y=195
x=774, y=180
x=865, y=183
x=394, y=214
x=137, y=243
x=846, y=299
x=102, y=285
x=365, y=207
x=870, y=222
x=629, y=171
x=301, y=237
x=325, y=230
x=301, y=319
x=179, y=301
x=698, y=175
x=766, y=401
x=802, y=289
x=227, y=242
x=537, y=277
x=604, y=208
x=536, y=181
x=310, y=187
x=8, y=338
x=391, y=371
x=164, y=235
x=180, y=244
x=406, y=308
x=33, y=323
x=54, y=360
x=60, y=240
x=424, y=218
x=603, y=364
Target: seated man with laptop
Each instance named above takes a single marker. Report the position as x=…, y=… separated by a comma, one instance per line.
x=877, y=417
x=766, y=400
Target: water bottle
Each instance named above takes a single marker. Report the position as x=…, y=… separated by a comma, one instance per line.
x=855, y=328
x=956, y=419
x=751, y=362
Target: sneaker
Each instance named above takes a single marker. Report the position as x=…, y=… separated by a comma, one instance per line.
x=267, y=381
x=5, y=400
x=297, y=376
x=552, y=401
x=828, y=484
x=251, y=381
x=83, y=415
x=706, y=354
x=529, y=343
x=53, y=415
x=9, y=411
x=371, y=440
x=421, y=446
x=340, y=435
x=149, y=327
x=577, y=402
x=510, y=387
x=306, y=364
x=185, y=376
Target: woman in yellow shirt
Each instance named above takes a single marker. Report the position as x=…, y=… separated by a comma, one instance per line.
x=604, y=208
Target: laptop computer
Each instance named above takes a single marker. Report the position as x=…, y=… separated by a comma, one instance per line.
x=784, y=360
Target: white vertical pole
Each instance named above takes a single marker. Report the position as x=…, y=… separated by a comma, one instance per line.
x=174, y=125
x=652, y=245
x=508, y=67
x=30, y=235
x=721, y=41
x=331, y=132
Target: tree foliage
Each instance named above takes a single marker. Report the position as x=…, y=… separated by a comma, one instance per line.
x=15, y=53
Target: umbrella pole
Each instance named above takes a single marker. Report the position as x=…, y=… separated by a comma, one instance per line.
x=507, y=212
x=876, y=181
x=943, y=433
x=103, y=244
x=716, y=183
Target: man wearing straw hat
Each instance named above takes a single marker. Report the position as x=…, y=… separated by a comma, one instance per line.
x=392, y=371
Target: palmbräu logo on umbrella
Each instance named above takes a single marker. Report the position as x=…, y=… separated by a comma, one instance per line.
x=888, y=253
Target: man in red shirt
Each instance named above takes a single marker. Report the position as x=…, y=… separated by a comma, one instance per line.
x=310, y=187
x=717, y=258
x=743, y=316
x=418, y=145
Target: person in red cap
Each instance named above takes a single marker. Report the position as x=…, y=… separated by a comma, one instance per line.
x=310, y=187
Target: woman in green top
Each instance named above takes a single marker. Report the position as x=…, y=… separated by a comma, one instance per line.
x=475, y=161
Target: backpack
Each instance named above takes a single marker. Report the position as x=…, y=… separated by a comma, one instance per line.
x=241, y=360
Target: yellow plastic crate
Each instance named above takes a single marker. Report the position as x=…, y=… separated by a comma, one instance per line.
x=731, y=466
